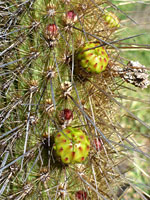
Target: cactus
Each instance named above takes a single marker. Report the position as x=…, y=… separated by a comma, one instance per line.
x=45, y=47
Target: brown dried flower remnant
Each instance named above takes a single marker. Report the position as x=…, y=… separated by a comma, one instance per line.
x=136, y=74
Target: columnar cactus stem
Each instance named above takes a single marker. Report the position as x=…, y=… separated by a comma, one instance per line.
x=51, y=118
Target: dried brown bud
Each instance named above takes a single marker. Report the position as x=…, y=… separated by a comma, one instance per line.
x=62, y=192
x=44, y=174
x=136, y=74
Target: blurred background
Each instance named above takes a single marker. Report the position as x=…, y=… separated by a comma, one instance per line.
x=135, y=17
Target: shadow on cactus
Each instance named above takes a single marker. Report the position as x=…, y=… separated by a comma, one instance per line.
x=60, y=72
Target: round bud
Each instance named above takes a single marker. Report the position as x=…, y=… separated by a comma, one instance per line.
x=72, y=145
x=111, y=19
x=92, y=58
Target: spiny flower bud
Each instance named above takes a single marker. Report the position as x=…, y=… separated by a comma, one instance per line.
x=51, y=32
x=111, y=19
x=71, y=17
x=65, y=115
x=72, y=145
x=81, y=195
x=92, y=59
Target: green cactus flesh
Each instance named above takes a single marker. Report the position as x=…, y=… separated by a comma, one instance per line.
x=72, y=145
x=93, y=60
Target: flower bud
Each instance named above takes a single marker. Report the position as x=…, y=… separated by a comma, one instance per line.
x=81, y=195
x=67, y=114
x=92, y=59
x=51, y=32
x=111, y=19
x=65, y=117
x=72, y=145
x=71, y=17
